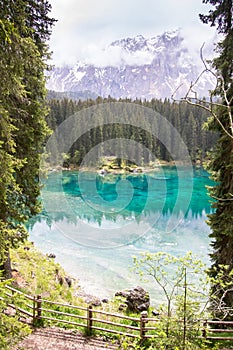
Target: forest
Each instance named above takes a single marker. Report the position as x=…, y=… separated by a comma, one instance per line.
x=27, y=121
x=188, y=120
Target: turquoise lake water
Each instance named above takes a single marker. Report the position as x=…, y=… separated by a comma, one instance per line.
x=95, y=224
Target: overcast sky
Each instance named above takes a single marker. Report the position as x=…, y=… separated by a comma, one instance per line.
x=85, y=26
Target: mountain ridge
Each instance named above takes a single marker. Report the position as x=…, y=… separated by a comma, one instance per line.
x=136, y=67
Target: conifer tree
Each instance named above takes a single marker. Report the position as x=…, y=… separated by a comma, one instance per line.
x=221, y=165
x=24, y=29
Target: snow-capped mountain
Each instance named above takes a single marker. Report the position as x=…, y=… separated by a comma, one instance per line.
x=136, y=67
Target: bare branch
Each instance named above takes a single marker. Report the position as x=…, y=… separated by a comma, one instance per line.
x=223, y=199
x=191, y=97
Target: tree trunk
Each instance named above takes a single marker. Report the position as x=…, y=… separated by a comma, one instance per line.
x=6, y=267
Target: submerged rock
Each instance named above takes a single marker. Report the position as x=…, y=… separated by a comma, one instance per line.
x=52, y=256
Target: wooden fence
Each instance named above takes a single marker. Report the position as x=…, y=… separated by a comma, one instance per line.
x=36, y=308
x=217, y=330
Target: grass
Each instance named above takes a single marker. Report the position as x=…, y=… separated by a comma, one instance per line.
x=37, y=274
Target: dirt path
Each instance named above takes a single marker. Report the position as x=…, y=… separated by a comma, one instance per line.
x=53, y=338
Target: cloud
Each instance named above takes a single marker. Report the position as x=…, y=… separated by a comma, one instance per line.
x=201, y=42
x=84, y=27
x=115, y=56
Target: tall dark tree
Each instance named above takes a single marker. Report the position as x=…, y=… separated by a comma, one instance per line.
x=221, y=165
x=24, y=29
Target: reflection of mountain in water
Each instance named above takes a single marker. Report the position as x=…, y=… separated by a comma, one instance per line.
x=93, y=198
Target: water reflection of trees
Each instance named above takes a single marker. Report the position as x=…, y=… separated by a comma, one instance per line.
x=153, y=194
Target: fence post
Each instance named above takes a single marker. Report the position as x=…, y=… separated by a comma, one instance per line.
x=204, y=330
x=89, y=319
x=34, y=310
x=38, y=307
x=143, y=322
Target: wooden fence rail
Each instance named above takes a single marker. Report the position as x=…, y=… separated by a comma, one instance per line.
x=216, y=330
x=91, y=319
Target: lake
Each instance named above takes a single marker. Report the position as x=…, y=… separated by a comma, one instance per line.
x=94, y=224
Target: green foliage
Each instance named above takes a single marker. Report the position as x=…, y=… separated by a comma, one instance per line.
x=183, y=283
x=37, y=274
x=41, y=275
x=171, y=273
x=222, y=282
x=186, y=119
x=11, y=329
x=24, y=29
x=162, y=343
x=221, y=161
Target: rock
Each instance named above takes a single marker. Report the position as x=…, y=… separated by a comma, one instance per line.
x=137, y=170
x=123, y=293
x=92, y=300
x=103, y=172
x=155, y=313
x=60, y=280
x=96, y=302
x=122, y=307
x=52, y=256
x=68, y=281
x=137, y=299
x=105, y=300
x=14, y=270
x=19, y=281
x=143, y=307
x=58, y=277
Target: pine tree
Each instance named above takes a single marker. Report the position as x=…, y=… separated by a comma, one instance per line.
x=24, y=28
x=221, y=165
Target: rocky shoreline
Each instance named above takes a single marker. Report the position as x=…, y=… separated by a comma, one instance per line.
x=103, y=170
x=135, y=299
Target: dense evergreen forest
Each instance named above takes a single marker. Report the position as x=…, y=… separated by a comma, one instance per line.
x=188, y=120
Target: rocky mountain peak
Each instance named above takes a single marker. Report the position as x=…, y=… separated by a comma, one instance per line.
x=131, y=44
x=140, y=43
x=137, y=67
